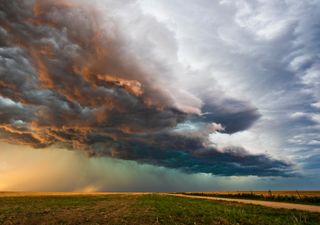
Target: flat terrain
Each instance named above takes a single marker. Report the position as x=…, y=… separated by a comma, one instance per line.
x=267, y=193
x=272, y=204
x=297, y=197
x=101, y=208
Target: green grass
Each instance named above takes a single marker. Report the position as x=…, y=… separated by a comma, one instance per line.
x=145, y=209
x=310, y=200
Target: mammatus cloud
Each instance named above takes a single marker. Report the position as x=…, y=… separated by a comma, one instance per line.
x=70, y=77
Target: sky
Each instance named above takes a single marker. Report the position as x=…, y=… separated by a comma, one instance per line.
x=146, y=95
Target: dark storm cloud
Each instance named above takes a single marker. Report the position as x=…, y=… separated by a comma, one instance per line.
x=235, y=115
x=67, y=79
x=190, y=155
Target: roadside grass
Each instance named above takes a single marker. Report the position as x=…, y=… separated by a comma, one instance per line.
x=298, y=199
x=143, y=209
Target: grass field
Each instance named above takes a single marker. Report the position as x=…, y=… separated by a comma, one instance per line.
x=300, y=197
x=141, y=209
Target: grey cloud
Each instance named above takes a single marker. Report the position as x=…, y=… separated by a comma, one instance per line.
x=191, y=155
x=233, y=114
x=265, y=51
x=76, y=81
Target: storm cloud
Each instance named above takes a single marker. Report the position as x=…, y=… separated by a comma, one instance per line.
x=70, y=76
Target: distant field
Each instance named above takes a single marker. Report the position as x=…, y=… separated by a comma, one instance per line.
x=302, y=197
x=267, y=193
x=46, y=194
x=61, y=208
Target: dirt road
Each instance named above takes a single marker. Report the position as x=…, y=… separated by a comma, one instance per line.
x=283, y=205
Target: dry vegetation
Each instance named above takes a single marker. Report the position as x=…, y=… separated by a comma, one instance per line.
x=301, y=197
x=275, y=193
